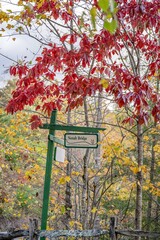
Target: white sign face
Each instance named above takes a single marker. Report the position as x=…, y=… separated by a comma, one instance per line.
x=79, y=140
x=59, y=154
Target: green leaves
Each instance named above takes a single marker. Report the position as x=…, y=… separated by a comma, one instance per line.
x=93, y=13
x=109, y=9
x=108, y=6
x=104, y=4
x=111, y=26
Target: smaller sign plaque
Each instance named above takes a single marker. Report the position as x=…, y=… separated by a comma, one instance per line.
x=80, y=140
x=59, y=154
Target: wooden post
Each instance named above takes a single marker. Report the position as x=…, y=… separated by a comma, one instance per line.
x=33, y=227
x=113, y=226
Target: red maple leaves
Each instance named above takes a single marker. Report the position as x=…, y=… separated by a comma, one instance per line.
x=35, y=121
x=128, y=59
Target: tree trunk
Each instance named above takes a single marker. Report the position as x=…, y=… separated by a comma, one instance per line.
x=152, y=171
x=157, y=220
x=96, y=220
x=76, y=197
x=84, y=190
x=85, y=176
x=68, y=204
x=138, y=210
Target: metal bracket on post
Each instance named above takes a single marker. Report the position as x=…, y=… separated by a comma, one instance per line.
x=56, y=140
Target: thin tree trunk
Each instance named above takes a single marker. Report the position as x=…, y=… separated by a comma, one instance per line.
x=76, y=200
x=68, y=204
x=84, y=189
x=157, y=220
x=152, y=173
x=85, y=175
x=94, y=218
x=138, y=210
x=150, y=201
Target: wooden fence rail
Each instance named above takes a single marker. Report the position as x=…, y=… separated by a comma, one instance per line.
x=136, y=233
x=33, y=233
x=72, y=233
x=14, y=234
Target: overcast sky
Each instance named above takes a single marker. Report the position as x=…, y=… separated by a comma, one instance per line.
x=22, y=48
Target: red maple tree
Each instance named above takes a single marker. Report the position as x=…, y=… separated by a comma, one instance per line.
x=129, y=58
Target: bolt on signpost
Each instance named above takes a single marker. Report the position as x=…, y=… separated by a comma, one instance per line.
x=88, y=138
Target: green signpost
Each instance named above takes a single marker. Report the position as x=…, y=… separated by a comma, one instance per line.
x=52, y=127
x=47, y=179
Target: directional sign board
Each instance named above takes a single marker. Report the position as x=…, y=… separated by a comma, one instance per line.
x=80, y=140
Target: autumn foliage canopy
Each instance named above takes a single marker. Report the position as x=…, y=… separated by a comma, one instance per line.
x=125, y=63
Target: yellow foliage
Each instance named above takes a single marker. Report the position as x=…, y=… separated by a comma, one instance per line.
x=21, y=141
x=158, y=184
x=104, y=82
x=29, y=173
x=64, y=180
x=136, y=169
x=51, y=219
x=17, y=18
x=6, y=199
x=55, y=171
x=156, y=74
x=75, y=173
x=19, y=171
x=40, y=3
x=3, y=16
x=134, y=185
x=126, y=161
x=9, y=26
x=72, y=223
x=157, y=148
x=20, y=3
x=94, y=210
x=145, y=187
x=146, y=138
x=36, y=167
x=4, y=165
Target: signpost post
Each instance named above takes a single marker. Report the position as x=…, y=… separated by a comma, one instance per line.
x=47, y=179
x=88, y=138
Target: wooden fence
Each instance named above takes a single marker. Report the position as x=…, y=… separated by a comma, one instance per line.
x=34, y=234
